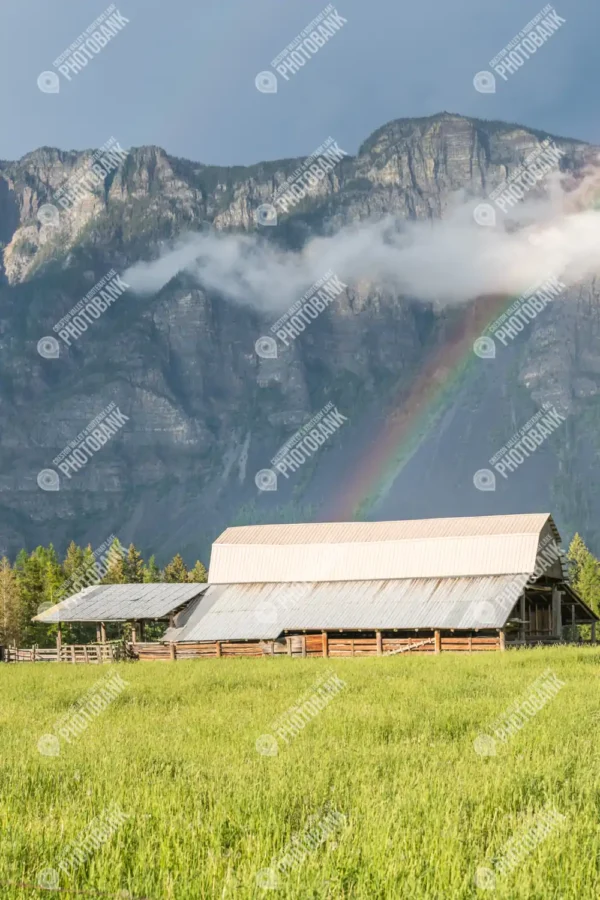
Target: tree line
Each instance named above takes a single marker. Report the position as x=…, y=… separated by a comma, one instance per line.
x=37, y=580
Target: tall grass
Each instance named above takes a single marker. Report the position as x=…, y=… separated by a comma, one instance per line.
x=393, y=752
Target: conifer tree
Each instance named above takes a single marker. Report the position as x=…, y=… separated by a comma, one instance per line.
x=198, y=573
x=115, y=571
x=74, y=560
x=584, y=572
x=152, y=574
x=134, y=566
x=176, y=570
x=10, y=603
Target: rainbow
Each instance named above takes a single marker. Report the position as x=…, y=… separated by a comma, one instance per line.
x=415, y=413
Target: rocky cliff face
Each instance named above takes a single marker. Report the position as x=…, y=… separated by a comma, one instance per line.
x=204, y=411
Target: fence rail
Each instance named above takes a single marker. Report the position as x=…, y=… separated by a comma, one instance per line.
x=70, y=653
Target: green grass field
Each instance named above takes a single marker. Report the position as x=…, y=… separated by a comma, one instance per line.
x=392, y=753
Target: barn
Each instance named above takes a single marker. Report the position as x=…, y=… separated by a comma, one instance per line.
x=356, y=589
x=373, y=588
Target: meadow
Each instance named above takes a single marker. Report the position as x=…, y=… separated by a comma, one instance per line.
x=417, y=810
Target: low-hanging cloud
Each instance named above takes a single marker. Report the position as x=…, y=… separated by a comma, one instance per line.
x=450, y=260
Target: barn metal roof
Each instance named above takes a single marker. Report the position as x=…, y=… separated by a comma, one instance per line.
x=356, y=551
x=120, y=602
x=264, y=611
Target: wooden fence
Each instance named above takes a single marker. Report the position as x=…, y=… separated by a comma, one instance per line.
x=297, y=645
x=71, y=653
x=318, y=645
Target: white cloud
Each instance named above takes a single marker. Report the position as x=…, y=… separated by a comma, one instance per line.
x=451, y=260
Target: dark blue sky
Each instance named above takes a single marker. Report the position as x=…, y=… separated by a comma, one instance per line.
x=181, y=74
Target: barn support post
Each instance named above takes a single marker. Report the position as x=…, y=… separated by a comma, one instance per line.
x=325, y=643
x=173, y=651
x=218, y=650
x=303, y=645
x=437, y=636
x=142, y=630
x=502, y=639
x=134, y=627
x=58, y=641
x=379, y=642
x=102, y=632
x=556, y=612
x=522, y=614
x=98, y=633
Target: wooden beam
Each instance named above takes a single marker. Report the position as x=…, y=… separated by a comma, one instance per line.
x=218, y=647
x=173, y=651
x=325, y=643
x=379, y=640
x=522, y=615
x=303, y=640
x=102, y=632
x=59, y=639
x=134, y=632
x=438, y=641
x=98, y=633
x=502, y=636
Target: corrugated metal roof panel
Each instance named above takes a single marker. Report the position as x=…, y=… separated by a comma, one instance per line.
x=361, y=532
x=120, y=602
x=254, y=611
x=408, y=558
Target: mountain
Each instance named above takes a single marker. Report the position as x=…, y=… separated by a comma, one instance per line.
x=205, y=412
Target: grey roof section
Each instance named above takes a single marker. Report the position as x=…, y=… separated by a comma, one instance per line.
x=265, y=610
x=119, y=602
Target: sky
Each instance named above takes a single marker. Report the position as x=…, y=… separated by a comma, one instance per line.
x=181, y=75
